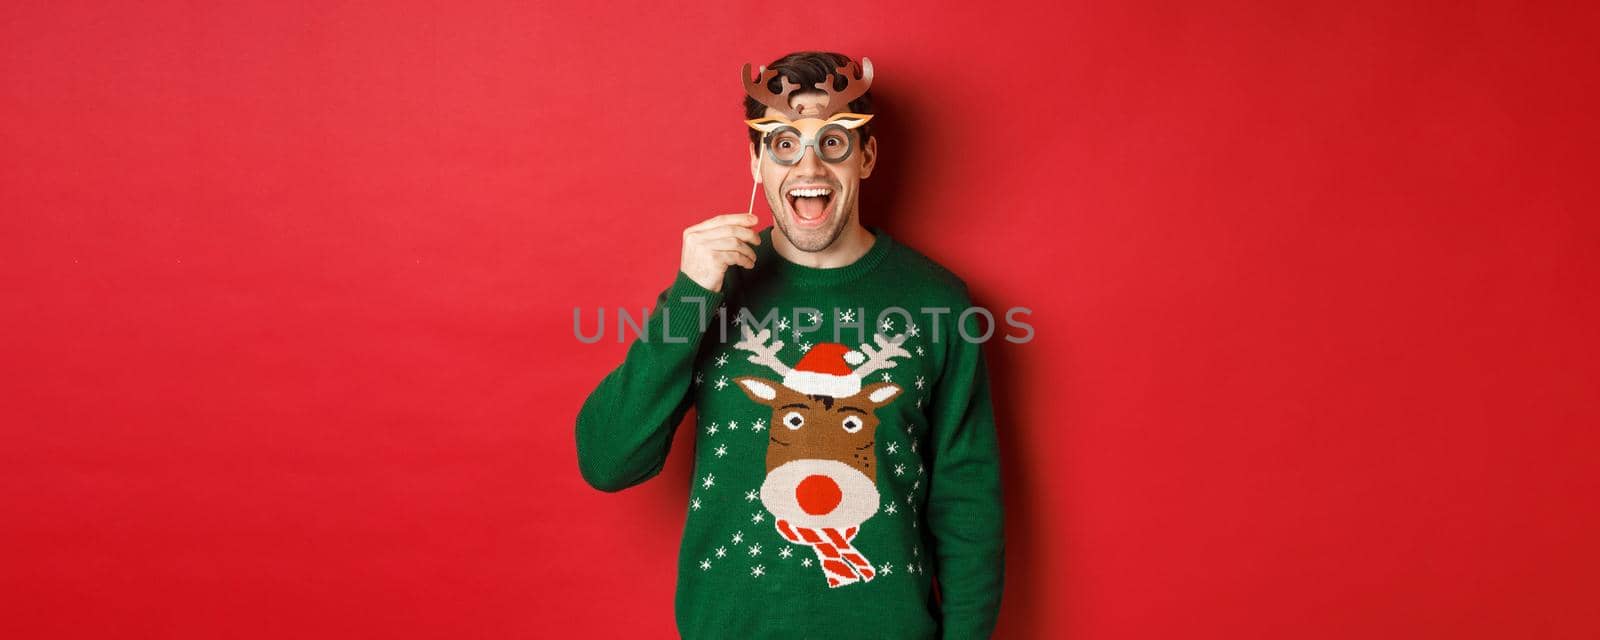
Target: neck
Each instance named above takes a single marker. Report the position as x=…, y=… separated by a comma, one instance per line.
x=851, y=244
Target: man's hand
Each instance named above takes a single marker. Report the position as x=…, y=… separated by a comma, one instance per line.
x=711, y=246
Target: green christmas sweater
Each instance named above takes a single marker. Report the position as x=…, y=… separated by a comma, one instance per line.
x=845, y=450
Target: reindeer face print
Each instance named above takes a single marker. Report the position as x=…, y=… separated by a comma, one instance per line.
x=821, y=426
x=821, y=481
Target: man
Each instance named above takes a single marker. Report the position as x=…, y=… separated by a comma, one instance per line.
x=846, y=452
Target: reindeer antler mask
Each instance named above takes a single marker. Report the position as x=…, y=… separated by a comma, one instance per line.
x=838, y=101
x=832, y=119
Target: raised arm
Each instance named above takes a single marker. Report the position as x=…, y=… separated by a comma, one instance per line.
x=625, y=427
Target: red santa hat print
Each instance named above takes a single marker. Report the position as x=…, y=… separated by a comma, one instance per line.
x=826, y=370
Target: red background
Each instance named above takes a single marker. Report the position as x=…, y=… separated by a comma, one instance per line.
x=288, y=347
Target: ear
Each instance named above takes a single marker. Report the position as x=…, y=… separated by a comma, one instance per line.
x=881, y=393
x=755, y=164
x=761, y=391
x=869, y=156
x=765, y=126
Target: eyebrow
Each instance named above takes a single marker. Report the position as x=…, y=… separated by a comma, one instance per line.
x=795, y=404
x=842, y=409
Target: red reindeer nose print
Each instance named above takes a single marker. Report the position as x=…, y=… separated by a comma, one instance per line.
x=818, y=495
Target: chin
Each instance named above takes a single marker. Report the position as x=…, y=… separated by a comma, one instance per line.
x=813, y=239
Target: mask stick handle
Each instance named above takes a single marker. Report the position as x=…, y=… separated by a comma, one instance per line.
x=751, y=208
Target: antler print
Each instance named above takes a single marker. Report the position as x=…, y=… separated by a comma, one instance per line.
x=765, y=355
x=880, y=358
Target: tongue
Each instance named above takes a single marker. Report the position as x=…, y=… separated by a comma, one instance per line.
x=810, y=208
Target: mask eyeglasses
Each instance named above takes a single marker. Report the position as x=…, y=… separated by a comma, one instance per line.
x=785, y=144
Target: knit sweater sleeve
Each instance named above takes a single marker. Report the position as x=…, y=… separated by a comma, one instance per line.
x=965, y=514
x=625, y=427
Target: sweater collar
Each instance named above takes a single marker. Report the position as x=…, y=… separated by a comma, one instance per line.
x=804, y=276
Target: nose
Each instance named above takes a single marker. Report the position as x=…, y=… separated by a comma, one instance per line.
x=818, y=495
x=810, y=160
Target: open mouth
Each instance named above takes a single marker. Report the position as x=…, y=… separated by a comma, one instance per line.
x=810, y=206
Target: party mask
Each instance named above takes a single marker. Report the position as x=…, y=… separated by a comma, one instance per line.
x=787, y=135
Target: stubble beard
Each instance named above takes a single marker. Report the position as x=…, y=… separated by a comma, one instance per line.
x=812, y=240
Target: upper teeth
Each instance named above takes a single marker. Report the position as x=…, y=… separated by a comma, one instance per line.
x=807, y=193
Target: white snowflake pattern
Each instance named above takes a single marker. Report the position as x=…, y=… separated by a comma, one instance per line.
x=758, y=425
x=919, y=468
x=888, y=569
x=913, y=330
x=757, y=517
x=891, y=510
x=886, y=325
x=916, y=551
x=783, y=324
x=899, y=469
x=755, y=549
x=911, y=568
x=797, y=333
x=919, y=349
x=722, y=552
x=722, y=450
x=705, y=564
x=805, y=562
x=722, y=359
x=916, y=485
x=887, y=378
x=694, y=504
x=733, y=425
x=848, y=315
x=919, y=403
x=722, y=382
x=814, y=317
x=750, y=496
x=921, y=381
x=805, y=346
x=758, y=571
x=699, y=377
x=738, y=537
x=709, y=481
x=893, y=448
x=711, y=429
x=785, y=552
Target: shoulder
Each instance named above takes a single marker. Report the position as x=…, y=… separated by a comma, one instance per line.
x=936, y=280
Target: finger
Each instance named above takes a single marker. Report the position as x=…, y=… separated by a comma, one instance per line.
x=724, y=219
x=733, y=231
x=731, y=244
x=745, y=260
x=728, y=243
x=746, y=251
